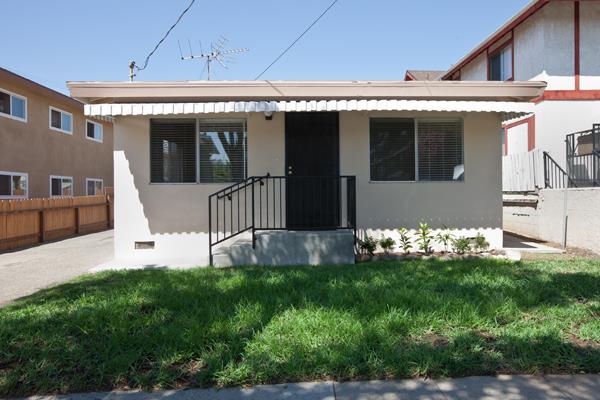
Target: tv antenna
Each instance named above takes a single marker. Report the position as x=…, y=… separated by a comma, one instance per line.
x=217, y=53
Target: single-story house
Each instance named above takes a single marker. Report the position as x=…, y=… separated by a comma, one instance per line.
x=284, y=172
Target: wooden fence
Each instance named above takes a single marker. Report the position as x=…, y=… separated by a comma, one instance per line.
x=31, y=221
x=523, y=172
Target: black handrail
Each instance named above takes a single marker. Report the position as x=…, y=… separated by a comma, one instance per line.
x=261, y=203
x=583, y=156
x=555, y=177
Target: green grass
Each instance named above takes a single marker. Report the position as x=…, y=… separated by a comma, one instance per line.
x=210, y=327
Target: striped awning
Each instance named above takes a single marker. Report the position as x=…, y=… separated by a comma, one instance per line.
x=514, y=109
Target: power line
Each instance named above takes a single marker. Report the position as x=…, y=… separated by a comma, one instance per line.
x=297, y=39
x=132, y=65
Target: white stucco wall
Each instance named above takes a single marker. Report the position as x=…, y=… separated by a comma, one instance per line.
x=476, y=70
x=175, y=216
x=518, y=139
x=556, y=119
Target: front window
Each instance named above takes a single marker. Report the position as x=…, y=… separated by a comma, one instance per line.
x=93, y=131
x=13, y=185
x=198, y=151
x=13, y=106
x=94, y=187
x=416, y=150
x=61, y=121
x=222, y=150
x=61, y=186
x=501, y=68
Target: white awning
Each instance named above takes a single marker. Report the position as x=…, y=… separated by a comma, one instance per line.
x=512, y=109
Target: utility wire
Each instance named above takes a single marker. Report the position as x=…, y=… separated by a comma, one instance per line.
x=297, y=39
x=163, y=38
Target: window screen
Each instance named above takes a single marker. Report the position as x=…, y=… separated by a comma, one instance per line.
x=61, y=186
x=501, y=65
x=392, y=146
x=173, y=151
x=440, y=146
x=94, y=131
x=222, y=150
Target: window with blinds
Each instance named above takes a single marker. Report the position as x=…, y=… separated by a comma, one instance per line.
x=426, y=150
x=222, y=150
x=440, y=144
x=392, y=149
x=173, y=151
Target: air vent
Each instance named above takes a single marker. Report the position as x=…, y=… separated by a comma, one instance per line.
x=144, y=245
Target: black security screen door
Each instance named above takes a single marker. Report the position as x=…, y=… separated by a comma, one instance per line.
x=312, y=170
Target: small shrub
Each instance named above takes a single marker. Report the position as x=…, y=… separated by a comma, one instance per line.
x=481, y=244
x=445, y=238
x=461, y=245
x=425, y=238
x=387, y=244
x=405, y=241
x=368, y=245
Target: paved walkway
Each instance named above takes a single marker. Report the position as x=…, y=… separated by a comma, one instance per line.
x=24, y=272
x=580, y=387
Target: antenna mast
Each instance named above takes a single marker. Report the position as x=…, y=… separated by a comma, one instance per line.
x=218, y=53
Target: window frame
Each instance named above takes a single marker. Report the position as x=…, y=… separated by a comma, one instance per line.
x=61, y=177
x=87, y=180
x=416, y=149
x=498, y=51
x=12, y=196
x=11, y=95
x=52, y=108
x=89, y=121
x=244, y=121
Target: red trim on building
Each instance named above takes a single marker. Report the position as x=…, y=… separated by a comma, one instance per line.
x=530, y=132
x=409, y=77
x=509, y=42
x=505, y=141
x=577, y=29
x=568, y=95
x=535, y=7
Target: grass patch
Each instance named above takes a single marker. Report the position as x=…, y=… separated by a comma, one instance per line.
x=219, y=327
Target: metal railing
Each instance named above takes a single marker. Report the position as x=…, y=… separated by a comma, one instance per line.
x=583, y=157
x=555, y=177
x=281, y=203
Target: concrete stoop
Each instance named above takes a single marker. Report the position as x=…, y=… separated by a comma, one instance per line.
x=289, y=248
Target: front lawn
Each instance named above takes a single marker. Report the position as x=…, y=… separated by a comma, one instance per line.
x=211, y=327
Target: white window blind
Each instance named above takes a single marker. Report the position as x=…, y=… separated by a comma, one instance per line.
x=173, y=151
x=440, y=150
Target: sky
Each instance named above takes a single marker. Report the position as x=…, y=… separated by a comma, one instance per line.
x=94, y=40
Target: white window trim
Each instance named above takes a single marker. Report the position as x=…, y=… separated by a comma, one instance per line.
x=87, y=180
x=26, y=175
x=50, y=109
x=61, y=178
x=10, y=116
x=101, y=131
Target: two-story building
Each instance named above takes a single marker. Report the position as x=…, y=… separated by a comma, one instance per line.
x=556, y=41
x=48, y=147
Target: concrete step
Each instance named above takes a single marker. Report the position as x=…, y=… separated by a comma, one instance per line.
x=289, y=248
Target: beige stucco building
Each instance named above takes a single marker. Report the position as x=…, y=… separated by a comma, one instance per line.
x=315, y=156
x=47, y=145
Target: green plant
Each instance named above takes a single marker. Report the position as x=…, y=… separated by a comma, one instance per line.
x=461, y=245
x=481, y=244
x=425, y=238
x=445, y=238
x=368, y=245
x=405, y=241
x=387, y=244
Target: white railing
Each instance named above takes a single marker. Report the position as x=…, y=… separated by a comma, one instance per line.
x=523, y=172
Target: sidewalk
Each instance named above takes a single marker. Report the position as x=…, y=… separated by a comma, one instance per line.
x=584, y=387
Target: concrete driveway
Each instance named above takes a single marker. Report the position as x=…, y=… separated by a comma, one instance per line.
x=24, y=272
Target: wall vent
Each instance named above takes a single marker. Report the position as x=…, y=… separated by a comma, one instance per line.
x=144, y=245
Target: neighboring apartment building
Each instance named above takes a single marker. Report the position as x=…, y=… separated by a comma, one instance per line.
x=556, y=41
x=47, y=146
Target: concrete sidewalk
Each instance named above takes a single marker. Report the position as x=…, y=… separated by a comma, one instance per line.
x=581, y=387
x=23, y=272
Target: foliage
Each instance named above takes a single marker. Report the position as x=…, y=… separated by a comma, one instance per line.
x=461, y=245
x=405, y=241
x=368, y=245
x=445, y=238
x=424, y=238
x=157, y=329
x=387, y=244
x=480, y=243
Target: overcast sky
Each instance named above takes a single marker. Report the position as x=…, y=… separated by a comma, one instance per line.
x=59, y=40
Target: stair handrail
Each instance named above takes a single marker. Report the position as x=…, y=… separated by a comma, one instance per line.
x=551, y=162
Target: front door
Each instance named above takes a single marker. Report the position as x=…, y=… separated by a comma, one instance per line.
x=312, y=170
